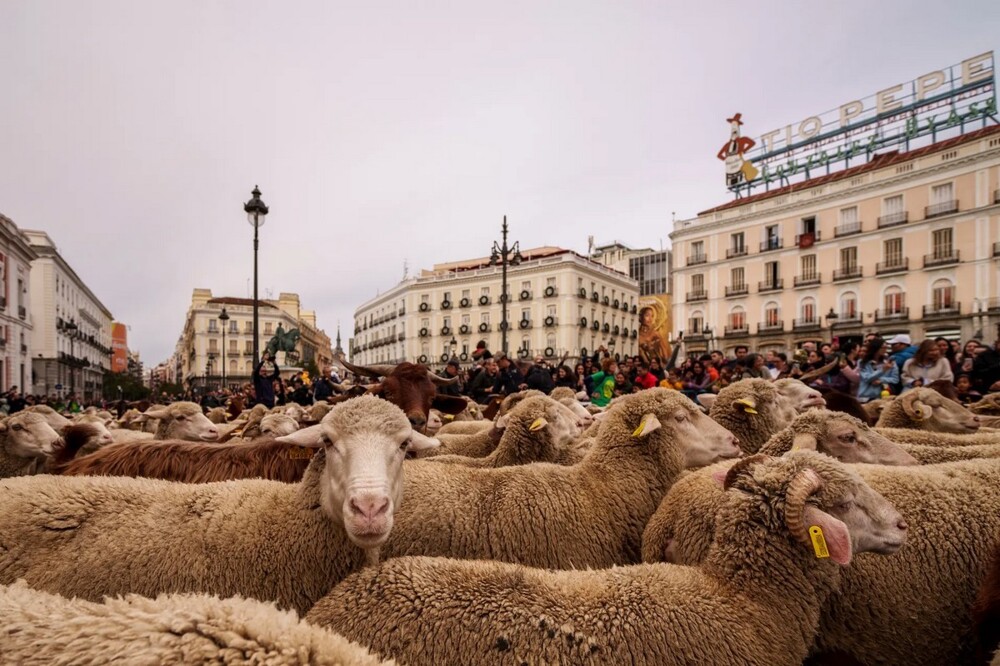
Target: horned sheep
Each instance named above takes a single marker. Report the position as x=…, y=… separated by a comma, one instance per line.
x=40, y=628
x=880, y=615
x=287, y=543
x=755, y=409
x=734, y=609
x=926, y=409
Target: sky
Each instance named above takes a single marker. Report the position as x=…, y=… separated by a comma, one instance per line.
x=390, y=133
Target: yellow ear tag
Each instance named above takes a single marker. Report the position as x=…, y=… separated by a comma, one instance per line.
x=819, y=541
x=747, y=406
x=448, y=417
x=638, y=431
x=537, y=424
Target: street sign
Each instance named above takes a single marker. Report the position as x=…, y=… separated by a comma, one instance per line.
x=59, y=387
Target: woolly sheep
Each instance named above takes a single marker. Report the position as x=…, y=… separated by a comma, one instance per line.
x=930, y=455
x=42, y=628
x=483, y=439
x=276, y=425
x=217, y=415
x=986, y=614
x=939, y=439
x=738, y=608
x=55, y=420
x=562, y=393
x=589, y=514
x=989, y=405
x=464, y=427
x=875, y=407
x=287, y=543
x=755, y=409
x=26, y=442
x=926, y=409
x=911, y=608
x=539, y=429
x=180, y=420
x=838, y=435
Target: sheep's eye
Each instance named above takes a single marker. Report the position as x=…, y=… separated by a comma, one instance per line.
x=405, y=445
x=681, y=416
x=849, y=438
x=17, y=426
x=181, y=417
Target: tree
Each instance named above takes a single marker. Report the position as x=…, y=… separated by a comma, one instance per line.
x=123, y=386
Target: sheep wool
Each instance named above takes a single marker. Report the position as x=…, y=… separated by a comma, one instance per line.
x=756, y=600
x=930, y=455
x=744, y=408
x=939, y=439
x=41, y=629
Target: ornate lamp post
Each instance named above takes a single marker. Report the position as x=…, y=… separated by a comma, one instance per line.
x=71, y=329
x=224, y=318
x=503, y=256
x=256, y=212
x=452, y=346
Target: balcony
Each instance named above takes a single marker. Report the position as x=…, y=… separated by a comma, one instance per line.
x=847, y=229
x=893, y=219
x=943, y=208
x=802, y=240
x=401, y=337
x=846, y=320
x=770, y=286
x=3, y=306
x=941, y=258
x=942, y=310
x=996, y=196
x=697, y=296
x=996, y=249
x=894, y=266
x=736, y=252
x=892, y=315
x=24, y=349
x=771, y=327
x=807, y=280
x=849, y=273
x=737, y=290
x=993, y=304
x=772, y=244
x=524, y=323
x=21, y=312
x=696, y=259
x=805, y=324
x=737, y=331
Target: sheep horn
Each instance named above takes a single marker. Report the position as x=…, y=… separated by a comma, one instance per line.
x=438, y=380
x=818, y=372
x=800, y=488
x=374, y=371
x=740, y=466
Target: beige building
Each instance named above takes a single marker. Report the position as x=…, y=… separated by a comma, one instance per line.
x=559, y=302
x=199, y=358
x=907, y=243
x=71, y=337
x=16, y=314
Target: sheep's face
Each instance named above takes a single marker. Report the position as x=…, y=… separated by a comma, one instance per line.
x=55, y=420
x=276, y=425
x=563, y=425
x=185, y=420
x=29, y=436
x=703, y=440
x=848, y=440
x=929, y=410
x=989, y=405
x=434, y=422
x=584, y=419
x=796, y=397
x=366, y=440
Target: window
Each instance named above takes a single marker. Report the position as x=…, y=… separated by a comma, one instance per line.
x=698, y=249
x=425, y=298
x=737, y=319
x=894, y=300
x=525, y=314
x=550, y=282
x=697, y=283
x=525, y=343
x=808, y=311
x=248, y=367
x=849, y=306
x=849, y=217
x=466, y=293
x=943, y=295
x=447, y=322
x=697, y=322
x=233, y=347
x=809, y=267
x=943, y=193
x=771, y=314
x=550, y=311
x=526, y=286
x=234, y=327
x=232, y=367
x=738, y=245
x=893, y=249
x=771, y=273
x=425, y=349
x=466, y=319
x=848, y=259
x=550, y=340
x=213, y=326
x=772, y=239
x=809, y=225
x=485, y=291
x=425, y=323
x=267, y=328
x=942, y=243
x=213, y=344
x=447, y=296
x=484, y=318
x=738, y=278
x=248, y=348
x=248, y=328
x=892, y=205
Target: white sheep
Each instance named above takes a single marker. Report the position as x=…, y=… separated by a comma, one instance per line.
x=26, y=442
x=784, y=533
x=926, y=409
x=755, y=409
x=180, y=420
x=288, y=543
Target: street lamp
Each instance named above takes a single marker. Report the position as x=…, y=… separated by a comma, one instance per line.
x=256, y=212
x=71, y=329
x=224, y=318
x=452, y=346
x=503, y=256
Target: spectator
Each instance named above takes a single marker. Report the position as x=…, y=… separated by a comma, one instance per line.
x=754, y=366
x=509, y=379
x=452, y=370
x=656, y=370
x=986, y=369
x=604, y=383
x=966, y=394
x=644, y=379
x=902, y=349
x=877, y=370
x=566, y=377
x=300, y=393
x=584, y=382
x=672, y=380
x=539, y=377
x=947, y=352
x=264, y=375
x=724, y=380
x=741, y=355
x=696, y=380
x=323, y=387
x=926, y=366
x=622, y=385
x=482, y=384
x=846, y=378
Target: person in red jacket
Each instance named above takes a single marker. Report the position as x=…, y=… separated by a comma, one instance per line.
x=644, y=379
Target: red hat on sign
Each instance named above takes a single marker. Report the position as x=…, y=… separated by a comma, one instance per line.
x=735, y=119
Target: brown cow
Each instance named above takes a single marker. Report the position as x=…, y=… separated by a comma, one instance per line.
x=411, y=387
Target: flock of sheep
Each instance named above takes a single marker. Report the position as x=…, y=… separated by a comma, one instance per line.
x=768, y=530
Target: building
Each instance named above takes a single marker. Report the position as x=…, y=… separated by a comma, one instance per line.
x=201, y=351
x=907, y=241
x=650, y=268
x=559, y=302
x=71, y=337
x=16, y=316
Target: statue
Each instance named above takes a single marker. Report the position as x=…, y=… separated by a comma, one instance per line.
x=283, y=341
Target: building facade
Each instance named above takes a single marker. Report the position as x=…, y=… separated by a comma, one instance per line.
x=204, y=349
x=650, y=268
x=16, y=315
x=559, y=302
x=906, y=243
x=71, y=336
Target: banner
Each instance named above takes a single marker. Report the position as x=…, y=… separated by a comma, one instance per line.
x=119, y=348
x=654, y=328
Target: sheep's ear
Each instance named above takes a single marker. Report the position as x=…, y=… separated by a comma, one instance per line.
x=746, y=405
x=805, y=440
x=830, y=536
x=502, y=422
x=311, y=437
x=420, y=442
x=140, y=418
x=648, y=424
x=538, y=424
x=916, y=409
x=706, y=400
x=447, y=417
x=157, y=414
x=719, y=476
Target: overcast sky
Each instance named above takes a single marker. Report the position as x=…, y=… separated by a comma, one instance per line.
x=133, y=132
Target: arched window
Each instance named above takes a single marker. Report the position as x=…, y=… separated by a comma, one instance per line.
x=232, y=367
x=849, y=306
x=697, y=322
x=807, y=310
x=894, y=301
x=943, y=295
x=550, y=340
x=248, y=367
x=772, y=315
x=737, y=319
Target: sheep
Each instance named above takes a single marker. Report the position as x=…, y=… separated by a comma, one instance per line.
x=589, y=514
x=911, y=608
x=95, y=435
x=318, y=411
x=42, y=628
x=55, y=420
x=562, y=393
x=988, y=405
x=939, y=439
x=986, y=614
x=79, y=439
x=840, y=436
x=276, y=425
x=287, y=543
x=838, y=401
x=217, y=415
x=755, y=600
x=464, y=427
x=875, y=407
x=929, y=455
x=478, y=445
x=926, y=409
x=26, y=442
x=539, y=429
x=755, y=409
x=180, y=420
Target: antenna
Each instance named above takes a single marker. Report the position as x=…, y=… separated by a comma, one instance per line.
x=406, y=268
x=590, y=246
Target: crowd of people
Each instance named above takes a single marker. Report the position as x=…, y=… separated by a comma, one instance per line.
x=867, y=369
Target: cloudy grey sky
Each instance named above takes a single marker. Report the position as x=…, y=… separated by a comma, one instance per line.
x=132, y=132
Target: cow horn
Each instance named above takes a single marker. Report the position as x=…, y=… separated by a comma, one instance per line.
x=438, y=380
x=374, y=371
